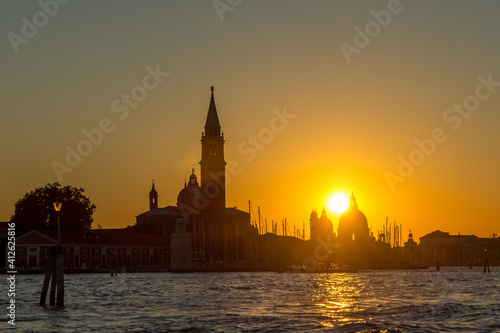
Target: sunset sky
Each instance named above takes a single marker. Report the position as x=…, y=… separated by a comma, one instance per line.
x=361, y=82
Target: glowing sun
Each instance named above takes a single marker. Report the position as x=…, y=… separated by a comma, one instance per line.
x=338, y=203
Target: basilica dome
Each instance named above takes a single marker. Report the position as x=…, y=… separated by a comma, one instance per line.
x=353, y=224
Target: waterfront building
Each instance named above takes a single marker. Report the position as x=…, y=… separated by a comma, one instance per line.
x=458, y=250
x=94, y=250
x=412, y=254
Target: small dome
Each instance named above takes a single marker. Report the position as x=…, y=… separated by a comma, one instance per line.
x=326, y=221
x=190, y=193
x=193, y=180
x=321, y=228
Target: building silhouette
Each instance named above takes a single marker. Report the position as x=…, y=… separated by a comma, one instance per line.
x=213, y=168
x=218, y=233
x=456, y=250
x=353, y=224
x=321, y=227
x=199, y=232
x=96, y=250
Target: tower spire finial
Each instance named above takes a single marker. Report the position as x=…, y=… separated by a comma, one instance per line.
x=212, y=125
x=352, y=201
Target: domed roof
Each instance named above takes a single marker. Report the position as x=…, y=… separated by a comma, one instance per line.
x=190, y=192
x=353, y=222
x=321, y=227
x=354, y=215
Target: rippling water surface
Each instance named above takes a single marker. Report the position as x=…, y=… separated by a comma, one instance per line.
x=453, y=300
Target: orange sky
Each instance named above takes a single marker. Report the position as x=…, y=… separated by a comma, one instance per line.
x=354, y=117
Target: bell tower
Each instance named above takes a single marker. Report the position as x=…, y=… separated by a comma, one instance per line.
x=153, y=198
x=213, y=167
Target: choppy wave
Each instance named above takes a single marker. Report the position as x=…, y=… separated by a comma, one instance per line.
x=453, y=300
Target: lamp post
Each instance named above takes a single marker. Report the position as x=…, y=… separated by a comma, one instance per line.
x=54, y=269
x=57, y=207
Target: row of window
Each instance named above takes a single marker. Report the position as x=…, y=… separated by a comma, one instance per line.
x=122, y=254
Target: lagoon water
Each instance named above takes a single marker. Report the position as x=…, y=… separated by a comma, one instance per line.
x=453, y=300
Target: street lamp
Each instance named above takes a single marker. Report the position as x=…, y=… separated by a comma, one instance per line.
x=57, y=207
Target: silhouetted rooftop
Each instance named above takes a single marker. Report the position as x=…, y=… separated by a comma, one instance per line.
x=169, y=210
x=442, y=234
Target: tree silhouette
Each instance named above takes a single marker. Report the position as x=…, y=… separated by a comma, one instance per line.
x=36, y=209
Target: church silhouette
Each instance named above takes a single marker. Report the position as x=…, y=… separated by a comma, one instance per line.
x=218, y=233
x=202, y=233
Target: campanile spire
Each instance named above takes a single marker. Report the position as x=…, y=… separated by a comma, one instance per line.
x=212, y=125
x=213, y=166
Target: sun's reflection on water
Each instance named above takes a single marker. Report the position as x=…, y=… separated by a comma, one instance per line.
x=339, y=298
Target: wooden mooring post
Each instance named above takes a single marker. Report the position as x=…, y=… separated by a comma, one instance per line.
x=486, y=265
x=54, y=270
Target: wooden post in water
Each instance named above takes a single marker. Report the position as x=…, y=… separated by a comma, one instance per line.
x=486, y=265
x=53, y=282
x=46, y=280
x=60, y=277
x=54, y=274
